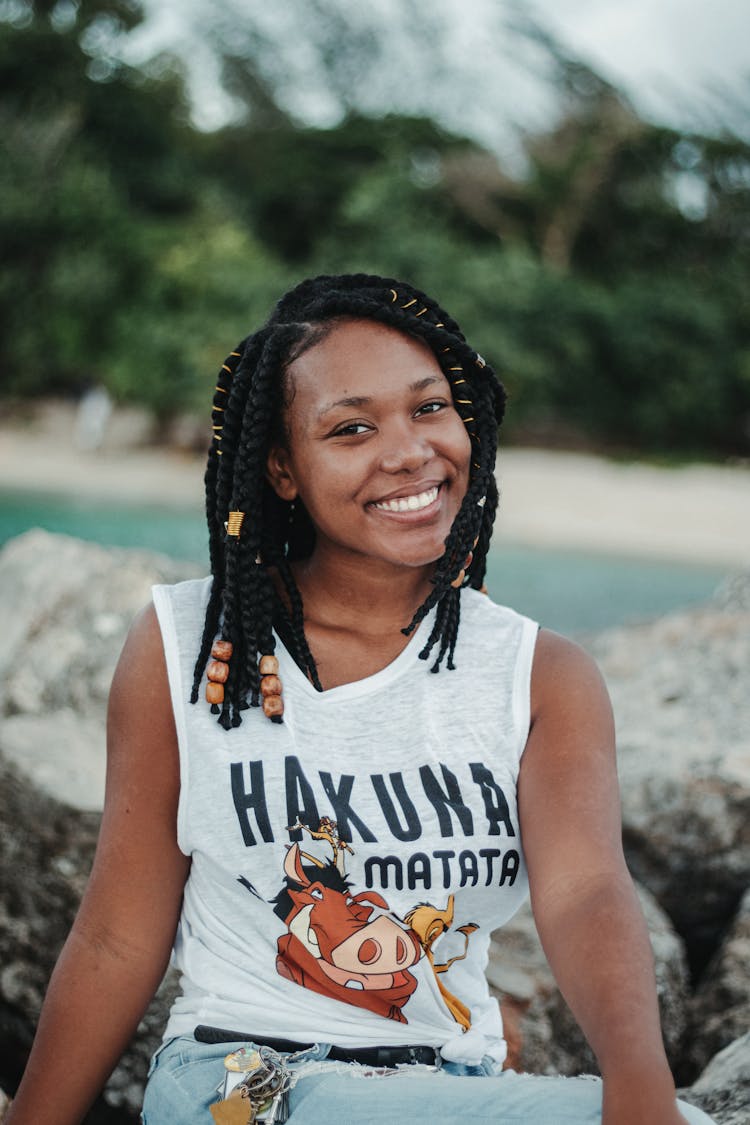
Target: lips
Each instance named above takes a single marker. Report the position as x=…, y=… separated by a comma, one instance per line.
x=414, y=503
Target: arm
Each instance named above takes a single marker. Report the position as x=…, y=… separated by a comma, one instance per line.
x=120, y=942
x=584, y=903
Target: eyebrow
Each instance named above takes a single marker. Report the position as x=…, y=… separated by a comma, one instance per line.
x=355, y=401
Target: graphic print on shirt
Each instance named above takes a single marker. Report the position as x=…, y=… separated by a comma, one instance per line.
x=352, y=947
x=429, y=923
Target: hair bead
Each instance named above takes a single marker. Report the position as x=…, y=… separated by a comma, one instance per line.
x=270, y=685
x=268, y=665
x=273, y=707
x=234, y=523
x=214, y=692
x=218, y=671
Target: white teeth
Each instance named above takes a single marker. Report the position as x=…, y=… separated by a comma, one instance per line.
x=408, y=503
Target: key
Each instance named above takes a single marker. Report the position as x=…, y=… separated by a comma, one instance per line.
x=282, y=1113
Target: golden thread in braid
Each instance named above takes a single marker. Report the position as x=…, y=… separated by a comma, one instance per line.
x=234, y=523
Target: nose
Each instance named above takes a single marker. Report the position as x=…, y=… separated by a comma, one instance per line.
x=405, y=452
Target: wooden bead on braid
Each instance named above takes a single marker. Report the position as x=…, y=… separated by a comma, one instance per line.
x=273, y=708
x=218, y=672
x=214, y=693
x=270, y=687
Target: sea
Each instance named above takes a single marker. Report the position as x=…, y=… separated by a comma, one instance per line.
x=573, y=592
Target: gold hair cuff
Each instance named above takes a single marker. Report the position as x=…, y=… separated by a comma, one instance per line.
x=234, y=523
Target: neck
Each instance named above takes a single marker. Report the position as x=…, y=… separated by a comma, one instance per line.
x=371, y=599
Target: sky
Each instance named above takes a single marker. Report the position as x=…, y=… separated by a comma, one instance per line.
x=680, y=62
x=667, y=54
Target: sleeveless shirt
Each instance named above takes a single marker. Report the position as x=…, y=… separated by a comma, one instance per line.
x=349, y=865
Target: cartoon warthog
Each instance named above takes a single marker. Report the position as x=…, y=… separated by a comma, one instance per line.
x=333, y=947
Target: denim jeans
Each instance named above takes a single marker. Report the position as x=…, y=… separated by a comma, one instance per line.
x=185, y=1076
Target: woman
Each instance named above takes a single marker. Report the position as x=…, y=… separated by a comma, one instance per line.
x=330, y=809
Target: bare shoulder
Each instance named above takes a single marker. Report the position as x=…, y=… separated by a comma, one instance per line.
x=564, y=677
x=143, y=764
x=140, y=721
x=570, y=753
x=132, y=900
x=141, y=667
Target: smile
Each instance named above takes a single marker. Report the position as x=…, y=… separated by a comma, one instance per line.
x=408, y=503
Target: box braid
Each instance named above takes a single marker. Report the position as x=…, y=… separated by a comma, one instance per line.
x=248, y=416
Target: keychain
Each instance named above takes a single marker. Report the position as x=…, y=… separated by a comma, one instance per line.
x=262, y=1093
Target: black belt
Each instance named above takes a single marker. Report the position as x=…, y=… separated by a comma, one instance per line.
x=370, y=1056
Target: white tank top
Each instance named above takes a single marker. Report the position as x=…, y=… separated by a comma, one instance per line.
x=371, y=923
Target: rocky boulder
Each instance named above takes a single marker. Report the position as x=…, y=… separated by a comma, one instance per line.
x=543, y=1036
x=723, y=1089
x=680, y=692
x=45, y=858
x=66, y=606
x=719, y=1011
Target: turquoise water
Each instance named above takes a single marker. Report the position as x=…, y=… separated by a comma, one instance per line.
x=569, y=591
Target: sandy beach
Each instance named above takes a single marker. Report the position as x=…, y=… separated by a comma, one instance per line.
x=697, y=513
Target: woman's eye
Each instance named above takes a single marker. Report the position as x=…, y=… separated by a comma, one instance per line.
x=432, y=407
x=350, y=429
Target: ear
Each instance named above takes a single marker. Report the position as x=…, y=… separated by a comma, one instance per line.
x=279, y=473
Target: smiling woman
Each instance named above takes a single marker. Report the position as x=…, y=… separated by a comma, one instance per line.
x=328, y=880
x=383, y=468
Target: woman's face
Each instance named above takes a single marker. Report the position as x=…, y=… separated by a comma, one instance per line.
x=376, y=450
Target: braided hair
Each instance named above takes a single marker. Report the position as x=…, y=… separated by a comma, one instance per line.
x=254, y=533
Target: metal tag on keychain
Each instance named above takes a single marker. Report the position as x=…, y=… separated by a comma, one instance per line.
x=262, y=1093
x=233, y=1110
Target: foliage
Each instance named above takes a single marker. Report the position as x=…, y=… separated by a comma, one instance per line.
x=607, y=283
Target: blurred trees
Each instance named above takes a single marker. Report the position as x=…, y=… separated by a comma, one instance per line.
x=606, y=281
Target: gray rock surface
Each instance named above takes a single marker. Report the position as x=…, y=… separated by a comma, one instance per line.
x=542, y=1030
x=66, y=607
x=719, y=1011
x=44, y=864
x=723, y=1089
x=680, y=692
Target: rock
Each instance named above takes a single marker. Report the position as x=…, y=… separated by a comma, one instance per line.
x=719, y=1011
x=723, y=1089
x=543, y=1036
x=63, y=751
x=679, y=689
x=66, y=607
x=45, y=857
x=734, y=592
